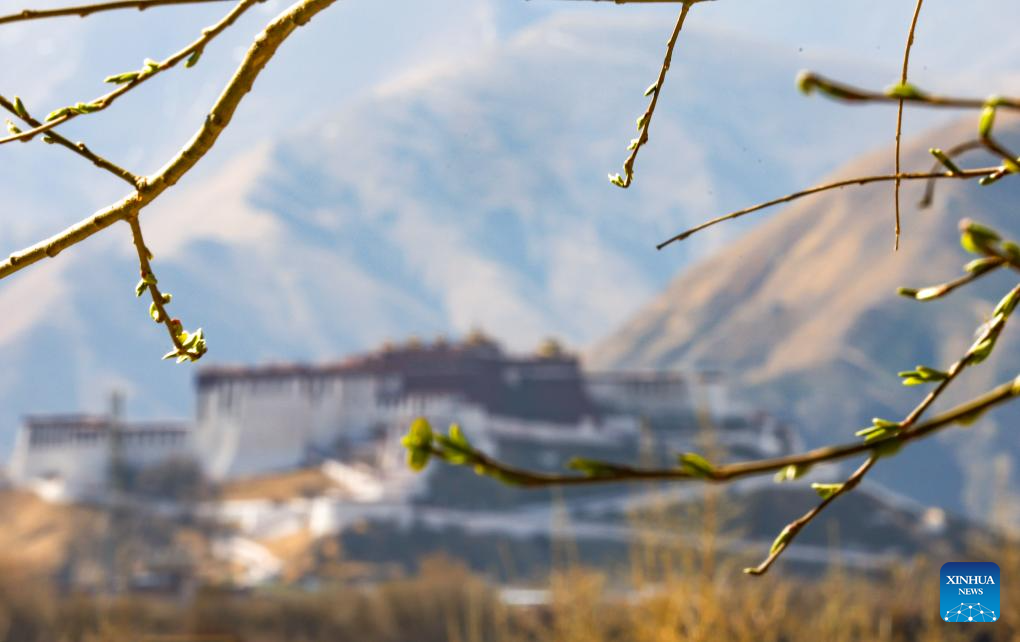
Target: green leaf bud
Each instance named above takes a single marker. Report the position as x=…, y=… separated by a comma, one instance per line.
x=806, y=82
x=929, y=293
x=905, y=91
x=193, y=59
x=591, y=467
x=981, y=350
x=879, y=429
x=947, y=162
x=120, y=79
x=19, y=108
x=781, y=540
x=58, y=113
x=791, y=472
x=982, y=265
x=417, y=459
x=695, y=465
x=825, y=491
x=987, y=120
x=974, y=237
x=1007, y=304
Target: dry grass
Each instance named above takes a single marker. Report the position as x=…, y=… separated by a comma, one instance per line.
x=41, y=532
x=667, y=592
x=296, y=484
x=445, y=602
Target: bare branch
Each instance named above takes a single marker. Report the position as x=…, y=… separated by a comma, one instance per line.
x=78, y=148
x=261, y=51
x=951, y=153
x=187, y=346
x=795, y=527
x=882, y=438
x=130, y=80
x=861, y=180
x=809, y=81
x=645, y=121
x=728, y=472
x=943, y=289
x=905, y=428
x=899, y=113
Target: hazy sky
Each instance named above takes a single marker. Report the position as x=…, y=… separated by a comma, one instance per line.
x=364, y=48
x=358, y=44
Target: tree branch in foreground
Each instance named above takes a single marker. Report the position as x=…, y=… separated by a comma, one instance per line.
x=978, y=352
x=945, y=159
x=86, y=10
x=149, y=188
x=808, y=82
x=18, y=109
x=883, y=438
x=187, y=346
x=904, y=92
x=645, y=121
x=899, y=114
x=825, y=187
x=457, y=450
x=129, y=80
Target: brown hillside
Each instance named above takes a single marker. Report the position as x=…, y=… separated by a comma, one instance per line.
x=802, y=312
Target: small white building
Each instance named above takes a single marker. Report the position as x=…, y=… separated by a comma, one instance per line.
x=254, y=420
x=71, y=456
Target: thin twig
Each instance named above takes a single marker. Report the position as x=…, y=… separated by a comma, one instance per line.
x=88, y=9
x=944, y=289
x=899, y=113
x=645, y=122
x=78, y=148
x=104, y=101
x=999, y=150
x=862, y=180
x=852, y=94
x=905, y=429
x=796, y=526
x=729, y=472
x=884, y=438
x=952, y=152
x=1009, y=259
x=161, y=316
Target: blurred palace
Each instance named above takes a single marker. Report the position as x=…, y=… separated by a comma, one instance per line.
x=537, y=409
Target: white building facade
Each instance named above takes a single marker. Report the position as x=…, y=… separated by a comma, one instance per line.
x=72, y=456
x=254, y=420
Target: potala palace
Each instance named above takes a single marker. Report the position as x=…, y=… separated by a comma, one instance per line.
x=537, y=408
x=303, y=456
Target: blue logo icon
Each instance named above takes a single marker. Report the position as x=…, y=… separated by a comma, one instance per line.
x=969, y=592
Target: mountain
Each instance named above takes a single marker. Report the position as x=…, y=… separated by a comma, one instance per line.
x=343, y=53
x=447, y=197
x=803, y=312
